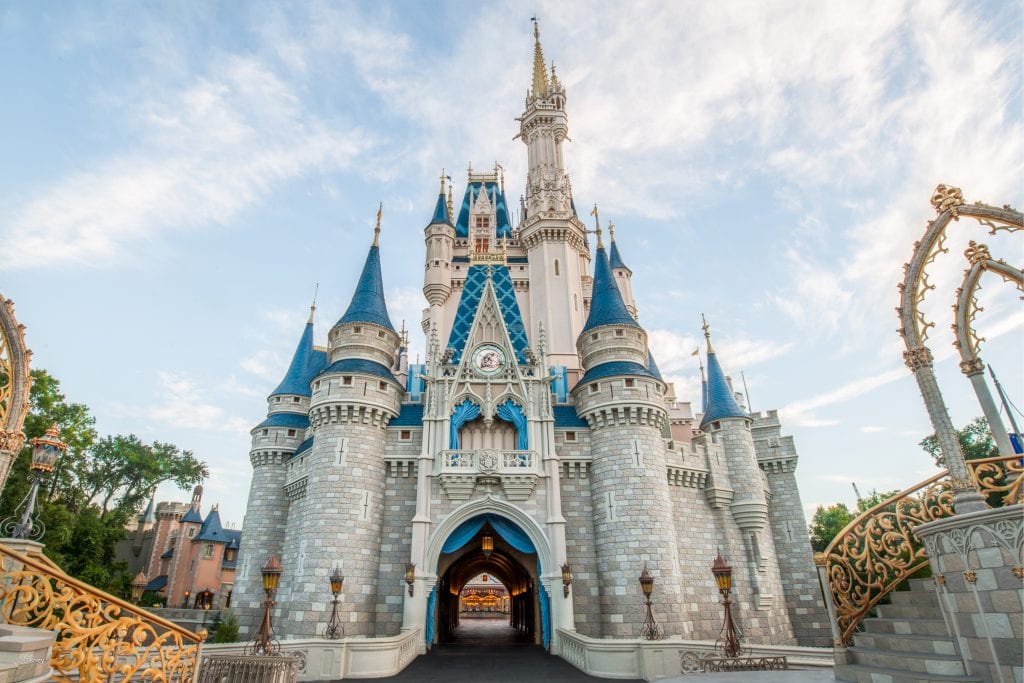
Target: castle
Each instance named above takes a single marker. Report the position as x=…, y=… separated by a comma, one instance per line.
x=538, y=443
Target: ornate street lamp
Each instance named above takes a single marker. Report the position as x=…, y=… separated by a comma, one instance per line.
x=334, y=628
x=566, y=579
x=410, y=576
x=265, y=643
x=651, y=630
x=138, y=586
x=45, y=451
x=487, y=545
x=188, y=594
x=730, y=637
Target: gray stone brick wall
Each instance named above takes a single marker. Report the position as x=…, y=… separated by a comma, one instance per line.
x=399, y=509
x=578, y=510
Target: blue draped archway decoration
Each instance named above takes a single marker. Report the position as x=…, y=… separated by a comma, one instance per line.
x=510, y=411
x=463, y=413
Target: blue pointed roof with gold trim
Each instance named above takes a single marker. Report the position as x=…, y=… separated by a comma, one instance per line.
x=606, y=305
x=368, y=305
x=305, y=365
x=721, y=403
x=441, y=212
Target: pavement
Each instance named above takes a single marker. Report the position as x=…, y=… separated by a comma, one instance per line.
x=490, y=650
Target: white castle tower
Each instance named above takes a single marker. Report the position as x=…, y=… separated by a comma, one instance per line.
x=537, y=433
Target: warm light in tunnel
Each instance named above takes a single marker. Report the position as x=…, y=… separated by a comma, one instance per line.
x=487, y=545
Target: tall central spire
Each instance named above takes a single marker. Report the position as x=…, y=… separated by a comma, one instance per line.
x=540, y=74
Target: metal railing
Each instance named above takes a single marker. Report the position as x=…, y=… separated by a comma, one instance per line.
x=878, y=550
x=99, y=636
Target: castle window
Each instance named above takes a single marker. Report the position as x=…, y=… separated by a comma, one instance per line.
x=405, y=435
x=230, y=554
x=277, y=399
x=383, y=386
x=570, y=436
x=556, y=268
x=436, y=262
x=316, y=386
x=716, y=424
x=266, y=432
x=347, y=381
x=593, y=388
x=483, y=245
x=207, y=551
x=619, y=333
x=630, y=382
x=357, y=329
x=483, y=222
x=295, y=399
x=191, y=532
x=291, y=432
x=593, y=337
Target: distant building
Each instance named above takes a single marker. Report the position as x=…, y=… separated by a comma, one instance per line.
x=188, y=560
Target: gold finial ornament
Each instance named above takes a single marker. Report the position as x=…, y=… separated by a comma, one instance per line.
x=947, y=197
x=442, y=181
x=611, y=231
x=540, y=74
x=450, y=215
x=312, y=306
x=376, y=230
x=977, y=253
x=707, y=333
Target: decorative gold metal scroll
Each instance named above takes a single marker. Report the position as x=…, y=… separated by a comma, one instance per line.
x=878, y=550
x=14, y=382
x=99, y=637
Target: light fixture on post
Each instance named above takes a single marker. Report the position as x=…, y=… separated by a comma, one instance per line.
x=729, y=641
x=487, y=545
x=566, y=579
x=45, y=451
x=138, y=586
x=410, y=576
x=650, y=630
x=334, y=629
x=186, y=596
x=265, y=643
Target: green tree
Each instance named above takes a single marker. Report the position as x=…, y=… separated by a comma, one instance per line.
x=95, y=488
x=975, y=441
x=226, y=631
x=827, y=523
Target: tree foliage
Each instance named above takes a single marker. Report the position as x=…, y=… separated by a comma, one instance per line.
x=827, y=523
x=95, y=488
x=975, y=441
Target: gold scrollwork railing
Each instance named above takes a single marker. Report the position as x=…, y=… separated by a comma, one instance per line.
x=878, y=550
x=99, y=636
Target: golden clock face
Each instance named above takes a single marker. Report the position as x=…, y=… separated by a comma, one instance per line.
x=488, y=359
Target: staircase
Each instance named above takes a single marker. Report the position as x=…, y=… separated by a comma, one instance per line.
x=908, y=642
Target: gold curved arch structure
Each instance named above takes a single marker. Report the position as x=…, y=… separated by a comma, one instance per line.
x=914, y=327
x=968, y=342
x=15, y=382
x=878, y=550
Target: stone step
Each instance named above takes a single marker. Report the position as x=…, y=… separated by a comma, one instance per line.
x=946, y=665
x=914, y=597
x=925, y=609
x=858, y=673
x=906, y=642
x=921, y=627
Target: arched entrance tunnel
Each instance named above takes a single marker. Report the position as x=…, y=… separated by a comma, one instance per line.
x=492, y=545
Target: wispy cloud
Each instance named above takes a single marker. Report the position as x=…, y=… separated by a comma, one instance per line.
x=204, y=153
x=183, y=404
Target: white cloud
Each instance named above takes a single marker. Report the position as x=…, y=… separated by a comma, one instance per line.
x=204, y=153
x=870, y=429
x=183, y=404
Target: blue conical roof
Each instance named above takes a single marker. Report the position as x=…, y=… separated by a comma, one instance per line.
x=302, y=368
x=616, y=259
x=606, y=305
x=652, y=367
x=441, y=212
x=212, y=529
x=720, y=400
x=192, y=516
x=368, y=304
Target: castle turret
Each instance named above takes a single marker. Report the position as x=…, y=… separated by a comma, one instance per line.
x=338, y=483
x=623, y=275
x=274, y=442
x=439, y=236
x=622, y=401
x=553, y=235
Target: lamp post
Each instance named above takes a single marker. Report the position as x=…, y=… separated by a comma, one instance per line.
x=188, y=594
x=334, y=628
x=265, y=644
x=410, y=576
x=730, y=637
x=651, y=630
x=45, y=451
x=566, y=579
x=138, y=586
x=487, y=545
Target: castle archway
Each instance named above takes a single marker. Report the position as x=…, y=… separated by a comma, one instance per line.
x=490, y=543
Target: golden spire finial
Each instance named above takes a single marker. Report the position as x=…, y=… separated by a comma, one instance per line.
x=540, y=74
x=376, y=230
x=707, y=332
x=442, y=181
x=450, y=216
x=597, y=226
x=611, y=231
x=312, y=306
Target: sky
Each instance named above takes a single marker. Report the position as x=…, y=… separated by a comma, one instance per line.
x=178, y=177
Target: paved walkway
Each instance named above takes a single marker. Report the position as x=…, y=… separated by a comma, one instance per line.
x=485, y=650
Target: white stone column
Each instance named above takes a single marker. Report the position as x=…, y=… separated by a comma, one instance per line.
x=975, y=371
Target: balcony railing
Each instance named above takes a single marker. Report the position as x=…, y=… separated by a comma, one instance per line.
x=485, y=460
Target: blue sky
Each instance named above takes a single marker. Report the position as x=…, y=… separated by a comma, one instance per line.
x=178, y=176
